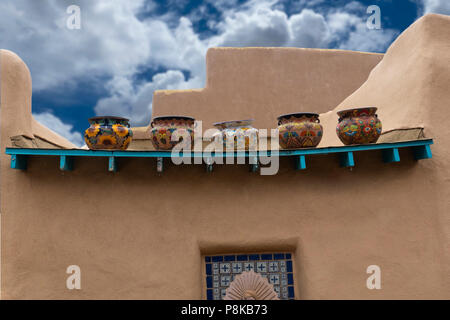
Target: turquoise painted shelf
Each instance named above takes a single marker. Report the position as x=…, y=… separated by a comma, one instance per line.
x=389, y=151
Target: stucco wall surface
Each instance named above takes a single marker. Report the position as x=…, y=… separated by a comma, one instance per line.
x=139, y=235
x=263, y=83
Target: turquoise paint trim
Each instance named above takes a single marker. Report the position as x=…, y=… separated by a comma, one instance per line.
x=422, y=152
x=421, y=149
x=300, y=163
x=66, y=163
x=346, y=159
x=112, y=164
x=391, y=155
x=18, y=162
x=168, y=154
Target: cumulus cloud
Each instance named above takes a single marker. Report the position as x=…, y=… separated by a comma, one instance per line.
x=112, y=43
x=260, y=23
x=350, y=32
x=257, y=24
x=436, y=6
x=54, y=123
x=178, y=49
x=309, y=29
x=116, y=42
x=111, y=40
x=136, y=103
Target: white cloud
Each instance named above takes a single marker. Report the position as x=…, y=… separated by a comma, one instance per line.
x=111, y=39
x=54, y=123
x=309, y=29
x=177, y=49
x=256, y=25
x=350, y=32
x=136, y=103
x=363, y=39
x=114, y=44
x=341, y=22
x=436, y=6
x=259, y=23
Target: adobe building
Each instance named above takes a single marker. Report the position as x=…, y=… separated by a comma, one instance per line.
x=139, y=234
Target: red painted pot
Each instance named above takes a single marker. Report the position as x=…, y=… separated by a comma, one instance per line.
x=162, y=129
x=358, y=126
x=299, y=130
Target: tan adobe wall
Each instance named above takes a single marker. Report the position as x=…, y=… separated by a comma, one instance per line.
x=263, y=83
x=139, y=235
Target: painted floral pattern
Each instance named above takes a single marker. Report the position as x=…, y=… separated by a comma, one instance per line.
x=299, y=130
x=359, y=126
x=238, y=135
x=112, y=133
x=163, y=128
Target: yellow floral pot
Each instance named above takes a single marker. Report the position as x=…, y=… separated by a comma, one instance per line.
x=107, y=132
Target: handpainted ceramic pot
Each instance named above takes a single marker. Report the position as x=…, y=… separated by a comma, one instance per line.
x=299, y=130
x=107, y=132
x=358, y=126
x=162, y=129
x=238, y=134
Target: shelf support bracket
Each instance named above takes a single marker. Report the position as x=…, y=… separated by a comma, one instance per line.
x=112, y=164
x=209, y=164
x=391, y=155
x=18, y=161
x=254, y=165
x=346, y=159
x=300, y=163
x=66, y=163
x=159, y=164
x=422, y=152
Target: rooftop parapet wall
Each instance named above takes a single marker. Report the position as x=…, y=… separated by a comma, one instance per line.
x=410, y=86
x=15, y=104
x=262, y=83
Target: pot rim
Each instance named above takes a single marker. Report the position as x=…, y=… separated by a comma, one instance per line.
x=231, y=121
x=307, y=114
x=339, y=113
x=172, y=117
x=107, y=117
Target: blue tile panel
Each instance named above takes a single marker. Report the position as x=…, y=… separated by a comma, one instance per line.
x=276, y=267
x=208, y=269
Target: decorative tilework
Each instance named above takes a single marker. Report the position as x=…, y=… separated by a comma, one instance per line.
x=221, y=270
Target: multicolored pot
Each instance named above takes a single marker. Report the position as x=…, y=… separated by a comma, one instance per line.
x=299, y=130
x=238, y=134
x=358, y=126
x=164, y=127
x=108, y=132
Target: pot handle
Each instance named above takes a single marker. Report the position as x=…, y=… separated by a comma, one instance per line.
x=318, y=120
x=151, y=124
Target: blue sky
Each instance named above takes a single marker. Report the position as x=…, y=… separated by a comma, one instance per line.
x=127, y=49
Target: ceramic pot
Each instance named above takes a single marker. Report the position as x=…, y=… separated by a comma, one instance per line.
x=238, y=134
x=299, y=130
x=358, y=126
x=107, y=132
x=162, y=129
